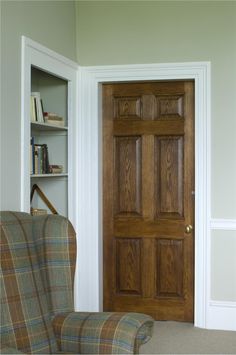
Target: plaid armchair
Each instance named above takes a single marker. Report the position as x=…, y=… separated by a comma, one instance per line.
x=37, y=270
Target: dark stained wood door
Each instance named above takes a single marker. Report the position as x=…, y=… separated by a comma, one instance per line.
x=148, y=206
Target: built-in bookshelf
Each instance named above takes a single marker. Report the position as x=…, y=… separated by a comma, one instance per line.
x=49, y=141
x=49, y=146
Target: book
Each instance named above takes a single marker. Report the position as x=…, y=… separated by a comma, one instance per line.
x=32, y=110
x=38, y=108
x=32, y=161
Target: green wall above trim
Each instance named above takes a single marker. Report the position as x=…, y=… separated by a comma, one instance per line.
x=125, y=32
x=129, y=32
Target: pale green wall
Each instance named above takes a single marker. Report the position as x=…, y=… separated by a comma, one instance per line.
x=223, y=263
x=51, y=23
x=129, y=32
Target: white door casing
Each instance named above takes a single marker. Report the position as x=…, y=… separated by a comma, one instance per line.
x=90, y=174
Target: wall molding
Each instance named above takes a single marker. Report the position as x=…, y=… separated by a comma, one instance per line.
x=226, y=304
x=222, y=315
x=90, y=177
x=223, y=224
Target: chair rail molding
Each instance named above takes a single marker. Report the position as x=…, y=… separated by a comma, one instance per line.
x=90, y=177
x=223, y=224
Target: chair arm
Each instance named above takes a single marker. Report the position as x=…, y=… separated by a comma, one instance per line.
x=6, y=350
x=102, y=333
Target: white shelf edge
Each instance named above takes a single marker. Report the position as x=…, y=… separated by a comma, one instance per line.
x=48, y=175
x=46, y=126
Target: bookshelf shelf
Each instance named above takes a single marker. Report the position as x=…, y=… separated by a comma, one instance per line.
x=47, y=127
x=48, y=175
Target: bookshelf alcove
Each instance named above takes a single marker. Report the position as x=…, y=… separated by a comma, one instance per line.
x=48, y=147
x=53, y=92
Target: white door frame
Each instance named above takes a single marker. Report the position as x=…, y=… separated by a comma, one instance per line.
x=89, y=283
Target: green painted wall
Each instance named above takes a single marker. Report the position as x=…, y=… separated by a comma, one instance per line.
x=51, y=23
x=129, y=32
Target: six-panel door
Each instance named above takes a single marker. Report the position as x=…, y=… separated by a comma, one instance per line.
x=148, y=179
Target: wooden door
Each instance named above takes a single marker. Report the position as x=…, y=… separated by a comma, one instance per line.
x=148, y=206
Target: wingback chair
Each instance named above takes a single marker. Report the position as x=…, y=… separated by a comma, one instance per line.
x=38, y=256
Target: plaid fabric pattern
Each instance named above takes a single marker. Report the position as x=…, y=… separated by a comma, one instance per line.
x=7, y=350
x=102, y=333
x=25, y=316
x=38, y=256
x=55, y=243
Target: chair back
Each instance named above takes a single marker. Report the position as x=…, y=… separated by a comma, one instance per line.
x=55, y=242
x=37, y=271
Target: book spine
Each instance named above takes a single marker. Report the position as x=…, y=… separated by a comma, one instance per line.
x=36, y=159
x=35, y=109
x=40, y=160
x=47, y=170
x=32, y=110
x=32, y=159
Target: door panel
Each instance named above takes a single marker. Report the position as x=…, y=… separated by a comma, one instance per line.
x=128, y=266
x=127, y=176
x=169, y=258
x=148, y=169
x=169, y=177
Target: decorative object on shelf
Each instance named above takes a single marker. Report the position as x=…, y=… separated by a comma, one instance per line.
x=35, y=187
x=56, y=169
x=53, y=119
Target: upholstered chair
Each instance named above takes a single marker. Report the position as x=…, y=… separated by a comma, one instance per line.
x=38, y=256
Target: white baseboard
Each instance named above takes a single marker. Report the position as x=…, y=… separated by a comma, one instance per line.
x=221, y=315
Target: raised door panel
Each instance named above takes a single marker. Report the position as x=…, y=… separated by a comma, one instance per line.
x=127, y=176
x=127, y=107
x=128, y=266
x=169, y=256
x=169, y=177
x=170, y=107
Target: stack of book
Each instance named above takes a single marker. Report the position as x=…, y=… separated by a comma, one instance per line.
x=39, y=163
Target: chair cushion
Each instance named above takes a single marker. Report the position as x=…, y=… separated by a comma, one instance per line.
x=25, y=317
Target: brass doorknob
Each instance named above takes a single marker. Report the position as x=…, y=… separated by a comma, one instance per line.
x=188, y=228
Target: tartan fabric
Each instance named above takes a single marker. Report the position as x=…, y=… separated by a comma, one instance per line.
x=25, y=316
x=55, y=242
x=38, y=257
x=6, y=350
x=102, y=333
